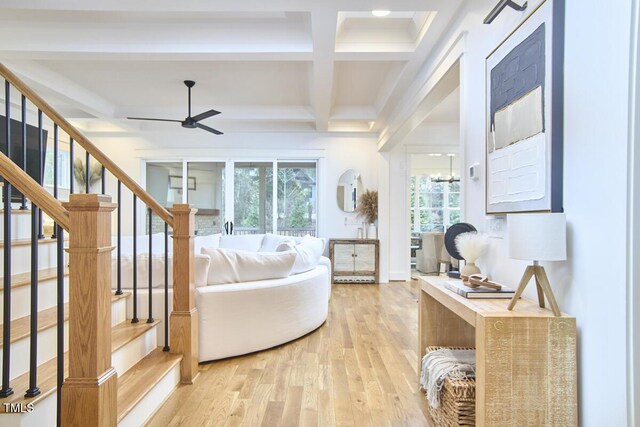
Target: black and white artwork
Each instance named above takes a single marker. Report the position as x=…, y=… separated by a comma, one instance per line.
x=524, y=122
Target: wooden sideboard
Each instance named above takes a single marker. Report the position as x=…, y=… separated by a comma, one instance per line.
x=526, y=370
x=355, y=260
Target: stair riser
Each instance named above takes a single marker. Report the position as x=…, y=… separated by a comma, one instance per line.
x=20, y=225
x=158, y=308
x=47, y=345
x=21, y=258
x=128, y=355
x=153, y=400
x=45, y=410
x=21, y=298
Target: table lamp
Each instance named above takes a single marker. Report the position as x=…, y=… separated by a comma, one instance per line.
x=537, y=237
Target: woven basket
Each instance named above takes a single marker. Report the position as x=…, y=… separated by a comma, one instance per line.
x=457, y=401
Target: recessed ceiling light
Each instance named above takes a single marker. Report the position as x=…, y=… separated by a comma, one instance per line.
x=380, y=13
x=435, y=154
x=451, y=155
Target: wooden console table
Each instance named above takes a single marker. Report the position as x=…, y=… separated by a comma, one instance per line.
x=526, y=370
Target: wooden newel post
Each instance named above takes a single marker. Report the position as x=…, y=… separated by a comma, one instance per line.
x=89, y=393
x=184, y=317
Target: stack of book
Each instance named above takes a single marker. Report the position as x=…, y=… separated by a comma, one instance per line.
x=480, y=292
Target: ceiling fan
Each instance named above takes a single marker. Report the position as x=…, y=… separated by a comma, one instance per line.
x=189, y=122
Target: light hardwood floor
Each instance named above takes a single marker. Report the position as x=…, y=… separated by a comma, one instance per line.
x=358, y=369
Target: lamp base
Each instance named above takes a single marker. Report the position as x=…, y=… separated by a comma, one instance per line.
x=542, y=285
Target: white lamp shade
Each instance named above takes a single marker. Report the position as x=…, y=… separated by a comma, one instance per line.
x=537, y=237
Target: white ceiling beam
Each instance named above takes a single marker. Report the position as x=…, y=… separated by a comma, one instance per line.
x=228, y=112
x=46, y=82
x=323, y=29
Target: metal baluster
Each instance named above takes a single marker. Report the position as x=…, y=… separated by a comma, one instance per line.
x=166, y=287
x=71, y=166
x=33, y=390
x=60, y=316
x=55, y=171
x=135, y=262
x=150, y=318
x=6, y=322
x=23, y=205
x=40, y=172
x=87, y=173
x=103, y=178
x=119, y=249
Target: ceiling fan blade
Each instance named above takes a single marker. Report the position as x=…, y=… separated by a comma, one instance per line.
x=155, y=120
x=205, y=115
x=208, y=129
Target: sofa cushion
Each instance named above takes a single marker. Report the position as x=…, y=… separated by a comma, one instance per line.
x=271, y=242
x=308, y=253
x=201, y=265
x=247, y=242
x=210, y=241
x=233, y=266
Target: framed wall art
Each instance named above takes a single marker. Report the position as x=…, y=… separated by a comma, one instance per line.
x=524, y=84
x=175, y=182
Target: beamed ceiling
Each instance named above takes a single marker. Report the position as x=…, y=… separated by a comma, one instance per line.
x=268, y=66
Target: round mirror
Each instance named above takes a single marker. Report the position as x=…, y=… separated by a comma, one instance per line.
x=349, y=190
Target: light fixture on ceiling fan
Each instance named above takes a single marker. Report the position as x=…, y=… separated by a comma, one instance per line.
x=451, y=178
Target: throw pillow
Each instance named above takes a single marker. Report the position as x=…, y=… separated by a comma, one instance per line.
x=308, y=253
x=233, y=266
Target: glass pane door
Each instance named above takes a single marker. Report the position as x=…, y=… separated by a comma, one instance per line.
x=205, y=188
x=297, y=193
x=253, y=198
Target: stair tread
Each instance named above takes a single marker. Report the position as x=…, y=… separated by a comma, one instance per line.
x=126, y=331
x=27, y=242
x=47, y=372
x=21, y=327
x=23, y=279
x=134, y=385
x=47, y=383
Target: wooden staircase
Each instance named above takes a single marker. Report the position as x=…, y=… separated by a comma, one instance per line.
x=146, y=374
x=109, y=371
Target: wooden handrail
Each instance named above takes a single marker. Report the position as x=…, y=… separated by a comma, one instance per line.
x=77, y=136
x=34, y=191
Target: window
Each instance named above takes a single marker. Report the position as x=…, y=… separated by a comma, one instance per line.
x=63, y=168
x=435, y=206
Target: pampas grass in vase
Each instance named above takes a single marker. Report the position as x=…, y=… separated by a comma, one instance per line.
x=80, y=174
x=471, y=246
x=368, y=209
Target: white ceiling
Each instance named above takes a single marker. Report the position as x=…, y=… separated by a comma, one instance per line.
x=268, y=66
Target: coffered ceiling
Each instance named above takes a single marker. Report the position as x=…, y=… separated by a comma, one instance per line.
x=268, y=66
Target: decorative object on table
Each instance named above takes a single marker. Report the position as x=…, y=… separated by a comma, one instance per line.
x=360, y=233
x=456, y=396
x=524, y=143
x=372, y=231
x=537, y=237
x=471, y=246
x=80, y=173
x=450, y=242
x=483, y=292
x=477, y=280
x=367, y=208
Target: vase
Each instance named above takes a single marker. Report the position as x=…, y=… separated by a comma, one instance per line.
x=372, y=232
x=469, y=269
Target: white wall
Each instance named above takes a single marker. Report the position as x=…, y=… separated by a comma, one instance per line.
x=336, y=154
x=591, y=284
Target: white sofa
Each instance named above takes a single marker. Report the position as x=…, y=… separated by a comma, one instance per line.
x=234, y=318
